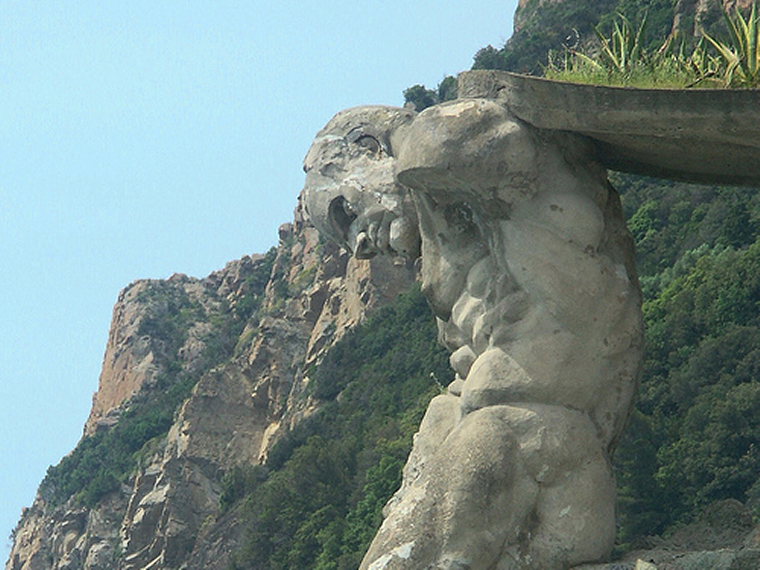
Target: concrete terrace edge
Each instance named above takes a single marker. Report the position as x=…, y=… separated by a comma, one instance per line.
x=697, y=135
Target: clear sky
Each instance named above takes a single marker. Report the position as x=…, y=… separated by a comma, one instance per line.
x=143, y=138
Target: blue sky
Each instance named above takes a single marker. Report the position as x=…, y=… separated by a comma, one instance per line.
x=139, y=139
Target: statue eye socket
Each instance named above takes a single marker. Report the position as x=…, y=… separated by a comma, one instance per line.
x=369, y=142
x=341, y=216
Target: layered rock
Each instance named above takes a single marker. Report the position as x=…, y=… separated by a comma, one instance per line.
x=135, y=356
x=249, y=342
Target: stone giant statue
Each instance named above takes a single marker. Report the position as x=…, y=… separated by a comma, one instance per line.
x=529, y=269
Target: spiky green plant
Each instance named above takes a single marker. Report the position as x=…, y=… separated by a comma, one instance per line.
x=700, y=68
x=700, y=62
x=622, y=60
x=741, y=55
x=623, y=49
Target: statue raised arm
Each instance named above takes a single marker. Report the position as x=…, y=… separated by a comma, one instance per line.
x=529, y=268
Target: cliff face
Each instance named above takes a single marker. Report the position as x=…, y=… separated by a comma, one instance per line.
x=244, y=338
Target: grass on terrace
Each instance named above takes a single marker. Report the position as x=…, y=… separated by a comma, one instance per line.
x=620, y=60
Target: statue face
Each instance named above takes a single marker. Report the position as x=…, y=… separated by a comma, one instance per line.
x=351, y=194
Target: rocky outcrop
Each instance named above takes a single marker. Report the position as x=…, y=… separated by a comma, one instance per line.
x=248, y=341
x=137, y=353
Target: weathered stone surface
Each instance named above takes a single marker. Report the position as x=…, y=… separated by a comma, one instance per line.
x=68, y=537
x=357, y=147
x=129, y=360
x=528, y=266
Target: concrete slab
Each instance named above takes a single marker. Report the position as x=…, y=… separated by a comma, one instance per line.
x=697, y=135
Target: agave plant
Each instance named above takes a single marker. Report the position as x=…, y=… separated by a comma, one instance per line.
x=701, y=62
x=698, y=67
x=618, y=54
x=623, y=49
x=741, y=55
x=622, y=59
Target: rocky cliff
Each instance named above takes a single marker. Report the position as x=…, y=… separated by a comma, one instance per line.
x=199, y=376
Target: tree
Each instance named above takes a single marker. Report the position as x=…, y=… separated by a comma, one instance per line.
x=420, y=97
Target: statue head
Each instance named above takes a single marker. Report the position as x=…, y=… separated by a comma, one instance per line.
x=351, y=193
x=461, y=182
x=378, y=177
x=522, y=241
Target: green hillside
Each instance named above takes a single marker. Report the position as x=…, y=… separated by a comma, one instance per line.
x=317, y=503
x=694, y=436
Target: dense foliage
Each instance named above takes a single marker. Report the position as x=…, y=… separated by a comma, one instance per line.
x=103, y=461
x=694, y=436
x=422, y=97
x=318, y=501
